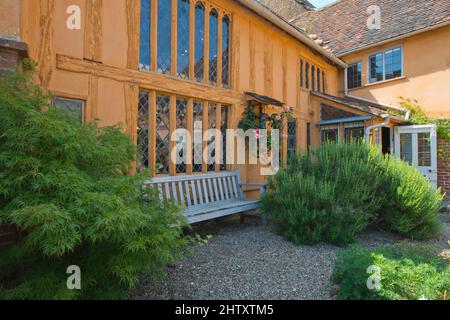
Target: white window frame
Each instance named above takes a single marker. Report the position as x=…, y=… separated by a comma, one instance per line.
x=384, y=64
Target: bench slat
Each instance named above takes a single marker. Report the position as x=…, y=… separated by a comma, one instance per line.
x=225, y=188
x=216, y=190
x=187, y=193
x=200, y=196
x=180, y=189
x=211, y=195
x=174, y=190
x=205, y=191
x=194, y=193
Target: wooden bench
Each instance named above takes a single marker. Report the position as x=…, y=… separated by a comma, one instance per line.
x=207, y=196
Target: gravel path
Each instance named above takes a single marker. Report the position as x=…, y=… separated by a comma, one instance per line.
x=248, y=261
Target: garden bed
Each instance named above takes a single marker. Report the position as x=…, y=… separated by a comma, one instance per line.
x=248, y=261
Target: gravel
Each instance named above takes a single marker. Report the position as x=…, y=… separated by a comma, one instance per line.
x=249, y=261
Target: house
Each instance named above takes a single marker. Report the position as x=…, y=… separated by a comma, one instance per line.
x=158, y=66
x=409, y=57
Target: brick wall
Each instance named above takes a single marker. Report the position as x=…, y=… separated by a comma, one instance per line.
x=444, y=166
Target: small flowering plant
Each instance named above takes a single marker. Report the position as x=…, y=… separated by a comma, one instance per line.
x=252, y=120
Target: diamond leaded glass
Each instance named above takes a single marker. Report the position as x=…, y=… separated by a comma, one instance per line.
x=212, y=141
x=198, y=137
x=223, y=129
x=213, y=44
x=144, y=53
x=164, y=36
x=143, y=132
x=199, y=41
x=292, y=139
x=162, y=134
x=183, y=39
x=226, y=52
x=181, y=137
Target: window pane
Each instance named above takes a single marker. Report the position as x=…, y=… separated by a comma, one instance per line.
x=292, y=139
x=329, y=134
x=162, y=134
x=183, y=39
x=354, y=77
x=73, y=108
x=164, y=36
x=143, y=132
x=212, y=142
x=199, y=41
x=406, y=147
x=323, y=82
x=301, y=73
x=307, y=76
x=181, y=138
x=313, y=78
x=376, y=67
x=213, y=36
x=393, y=63
x=318, y=80
x=424, y=149
x=354, y=134
x=226, y=52
x=198, y=137
x=144, y=55
x=223, y=129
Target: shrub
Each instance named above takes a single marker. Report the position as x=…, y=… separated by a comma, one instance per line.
x=334, y=192
x=325, y=195
x=67, y=187
x=411, y=207
x=406, y=273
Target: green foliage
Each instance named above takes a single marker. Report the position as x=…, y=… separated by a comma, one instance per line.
x=411, y=204
x=406, y=273
x=418, y=116
x=324, y=195
x=334, y=192
x=67, y=187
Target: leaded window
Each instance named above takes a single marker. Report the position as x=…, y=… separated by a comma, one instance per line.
x=354, y=131
x=164, y=36
x=198, y=137
x=307, y=76
x=213, y=45
x=72, y=107
x=181, y=136
x=329, y=133
x=183, y=39
x=144, y=49
x=226, y=52
x=212, y=124
x=199, y=63
x=301, y=74
x=376, y=68
x=318, y=80
x=223, y=129
x=354, y=75
x=143, y=133
x=313, y=78
x=324, y=89
x=291, y=139
x=162, y=134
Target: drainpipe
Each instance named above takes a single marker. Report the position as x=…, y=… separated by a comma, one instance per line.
x=405, y=111
x=376, y=126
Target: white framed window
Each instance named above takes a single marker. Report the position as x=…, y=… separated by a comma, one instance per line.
x=385, y=65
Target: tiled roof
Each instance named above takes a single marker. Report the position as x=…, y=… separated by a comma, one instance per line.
x=343, y=25
x=288, y=9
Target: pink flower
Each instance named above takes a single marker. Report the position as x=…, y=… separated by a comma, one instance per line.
x=257, y=134
x=278, y=117
x=287, y=108
x=285, y=136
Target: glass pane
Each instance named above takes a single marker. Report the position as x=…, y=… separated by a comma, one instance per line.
x=162, y=134
x=144, y=49
x=354, y=134
x=307, y=76
x=223, y=129
x=323, y=82
x=73, y=108
x=329, y=135
x=406, y=147
x=164, y=36
x=226, y=52
x=376, y=67
x=181, y=139
x=212, y=142
x=213, y=36
x=393, y=63
x=292, y=139
x=199, y=41
x=143, y=132
x=354, y=72
x=183, y=39
x=424, y=149
x=313, y=78
x=198, y=137
x=301, y=73
x=318, y=80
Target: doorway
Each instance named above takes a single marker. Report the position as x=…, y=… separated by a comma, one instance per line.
x=386, y=140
